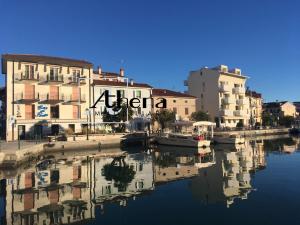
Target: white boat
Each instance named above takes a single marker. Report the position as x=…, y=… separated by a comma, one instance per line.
x=201, y=138
x=229, y=139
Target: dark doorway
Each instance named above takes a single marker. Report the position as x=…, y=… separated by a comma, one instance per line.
x=54, y=112
x=72, y=127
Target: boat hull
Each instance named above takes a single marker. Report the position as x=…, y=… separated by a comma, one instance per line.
x=182, y=142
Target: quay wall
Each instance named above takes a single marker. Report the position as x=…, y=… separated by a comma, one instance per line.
x=251, y=133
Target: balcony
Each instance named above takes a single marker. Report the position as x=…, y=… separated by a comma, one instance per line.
x=50, y=99
x=52, y=79
x=26, y=98
x=224, y=88
x=73, y=81
x=74, y=100
x=241, y=101
x=226, y=112
x=239, y=113
x=239, y=90
x=227, y=101
x=27, y=77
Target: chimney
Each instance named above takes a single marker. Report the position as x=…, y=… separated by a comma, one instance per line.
x=99, y=70
x=122, y=72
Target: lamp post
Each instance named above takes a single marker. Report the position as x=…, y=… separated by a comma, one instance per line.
x=87, y=111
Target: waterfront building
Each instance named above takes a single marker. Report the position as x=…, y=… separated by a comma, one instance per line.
x=279, y=109
x=113, y=82
x=44, y=95
x=180, y=103
x=221, y=93
x=297, y=105
x=255, y=107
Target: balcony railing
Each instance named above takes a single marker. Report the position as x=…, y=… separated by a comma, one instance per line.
x=241, y=101
x=226, y=112
x=224, y=88
x=26, y=97
x=70, y=99
x=227, y=101
x=72, y=80
x=51, y=99
x=239, y=113
x=239, y=90
x=24, y=76
x=52, y=79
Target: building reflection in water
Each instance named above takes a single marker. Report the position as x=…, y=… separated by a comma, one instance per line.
x=229, y=178
x=69, y=191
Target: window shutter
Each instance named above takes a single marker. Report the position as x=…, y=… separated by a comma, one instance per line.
x=45, y=68
x=19, y=65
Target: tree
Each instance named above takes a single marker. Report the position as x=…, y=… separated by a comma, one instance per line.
x=240, y=124
x=286, y=121
x=268, y=119
x=118, y=117
x=120, y=172
x=163, y=117
x=200, y=116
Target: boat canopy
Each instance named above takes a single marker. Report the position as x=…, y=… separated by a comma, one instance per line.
x=204, y=123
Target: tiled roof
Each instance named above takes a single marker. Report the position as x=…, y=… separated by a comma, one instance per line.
x=274, y=104
x=166, y=92
x=107, y=74
x=120, y=84
x=47, y=60
x=253, y=94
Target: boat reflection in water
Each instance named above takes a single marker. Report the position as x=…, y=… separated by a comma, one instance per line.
x=75, y=188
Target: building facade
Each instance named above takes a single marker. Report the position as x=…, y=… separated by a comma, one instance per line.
x=43, y=94
x=221, y=93
x=280, y=109
x=182, y=104
x=255, y=107
x=113, y=82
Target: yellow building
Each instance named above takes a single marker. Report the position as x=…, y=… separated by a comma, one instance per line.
x=221, y=93
x=43, y=94
x=280, y=109
x=255, y=106
x=182, y=104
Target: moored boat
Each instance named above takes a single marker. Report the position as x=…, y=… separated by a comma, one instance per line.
x=203, y=133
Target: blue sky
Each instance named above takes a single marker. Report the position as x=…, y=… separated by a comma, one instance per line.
x=160, y=41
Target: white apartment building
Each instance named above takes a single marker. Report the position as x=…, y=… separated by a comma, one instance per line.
x=112, y=82
x=221, y=93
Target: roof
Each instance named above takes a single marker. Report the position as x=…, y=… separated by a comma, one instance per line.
x=46, y=59
x=108, y=74
x=166, y=92
x=274, y=104
x=253, y=94
x=120, y=84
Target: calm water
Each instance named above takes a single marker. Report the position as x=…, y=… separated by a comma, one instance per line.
x=256, y=183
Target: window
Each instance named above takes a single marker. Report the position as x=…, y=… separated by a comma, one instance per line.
x=53, y=74
x=138, y=94
x=54, y=112
x=186, y=101
x=175, y=110
x=174, y=101
x=186, y=111
x=29, y=71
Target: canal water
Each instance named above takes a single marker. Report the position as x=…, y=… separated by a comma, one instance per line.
x=255, y=183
